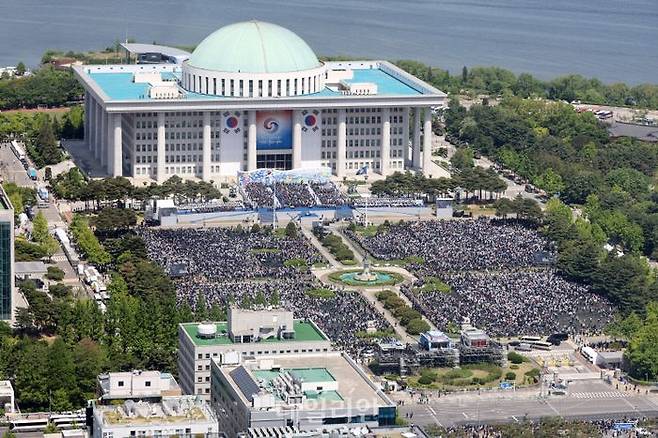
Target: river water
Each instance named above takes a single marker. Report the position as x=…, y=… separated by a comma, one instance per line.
x=614, y=40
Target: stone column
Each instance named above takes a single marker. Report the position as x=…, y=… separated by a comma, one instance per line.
x=161, y=159
x=385, y=153
x=341, y=143
x=117, y=152
x=251, y=142
x=87, y=121
x=405, y=137
x=207, y=147
x=416, y=140
x=102, y=150
x=297, y=140
x=427, y=140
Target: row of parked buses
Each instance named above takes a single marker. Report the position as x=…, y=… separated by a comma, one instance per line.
x=63, y=421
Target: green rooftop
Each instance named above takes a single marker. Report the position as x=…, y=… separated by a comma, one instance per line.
x=304, y=332
x=309, y=375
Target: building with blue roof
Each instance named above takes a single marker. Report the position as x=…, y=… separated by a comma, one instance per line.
x=254, y=95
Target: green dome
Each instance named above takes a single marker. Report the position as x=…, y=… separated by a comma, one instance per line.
x=253, y=47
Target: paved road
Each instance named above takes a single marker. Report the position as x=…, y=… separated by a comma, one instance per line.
x=591, y=399
x=11, y=169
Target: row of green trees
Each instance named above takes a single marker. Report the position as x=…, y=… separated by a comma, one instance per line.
x=472, y=180
x=409, y=318
x=75, y=186
x=45, y=87
x=62, y=343
x=570, y=155
x=501, y=82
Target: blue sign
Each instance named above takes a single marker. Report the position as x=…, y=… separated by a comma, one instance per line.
x=273, y=130
x=506, y=385
x=624, y=426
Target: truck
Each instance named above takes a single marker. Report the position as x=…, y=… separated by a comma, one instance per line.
x=32, y=173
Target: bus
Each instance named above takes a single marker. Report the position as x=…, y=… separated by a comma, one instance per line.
x=18, y=151
x=541, y=345
x=28, y=424
x=69, y=420
x=530, y=338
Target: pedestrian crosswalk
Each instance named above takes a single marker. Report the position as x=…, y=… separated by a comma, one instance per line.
x=604, y=394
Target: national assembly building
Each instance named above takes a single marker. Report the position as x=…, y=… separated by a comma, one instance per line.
x=254, y=95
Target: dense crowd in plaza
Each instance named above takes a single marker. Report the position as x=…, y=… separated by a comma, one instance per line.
x=224, y=254
x=341, y=317
x=328, y=194
x=457, y=245
x=517, y=302
x=603, y=428
x=293, y=194
x=228, y=266
x=259, y=195
x=497, y=276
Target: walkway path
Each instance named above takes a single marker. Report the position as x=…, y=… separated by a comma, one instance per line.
x=324, y=251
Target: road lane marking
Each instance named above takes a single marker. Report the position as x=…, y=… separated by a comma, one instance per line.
x=433, y=412
x=464, y=414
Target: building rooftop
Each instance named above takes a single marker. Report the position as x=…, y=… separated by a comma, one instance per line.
x=326, y=381
x=23, y=268
x=133, y=384
x=117, y=82
x=304, y=331
x=171, y=410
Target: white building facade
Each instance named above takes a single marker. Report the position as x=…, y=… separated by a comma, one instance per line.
x=254, y=95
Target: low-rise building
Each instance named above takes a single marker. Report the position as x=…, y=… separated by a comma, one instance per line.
x=247, y=333
x=185, y=416
x=301, y=392
x=136, y=385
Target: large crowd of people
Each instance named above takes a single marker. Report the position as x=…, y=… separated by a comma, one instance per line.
x=328, y=194
x=602, y=428
x=225, y=254
x=515, y=302
x=343, y=317
x=229, y=266
x=292, y=194
x=499, y=275
x=457, y=245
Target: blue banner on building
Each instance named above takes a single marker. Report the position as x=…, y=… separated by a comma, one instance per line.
x=273, y=130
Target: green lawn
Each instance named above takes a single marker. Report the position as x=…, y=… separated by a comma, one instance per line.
x=470, y=376
x=321, y=293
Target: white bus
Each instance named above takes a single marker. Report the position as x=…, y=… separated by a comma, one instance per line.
x=18, y=151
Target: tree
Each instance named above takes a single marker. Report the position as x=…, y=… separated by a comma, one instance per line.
x=464, y=75
x=550, y=181
x=40, y=228
x=50, y=246
x=291, y=230
x=417, y=326
x=54, y=273
x=642, y=352
x=32, y=375
x=504, y=207
x=463, y=158
x=20, y=68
